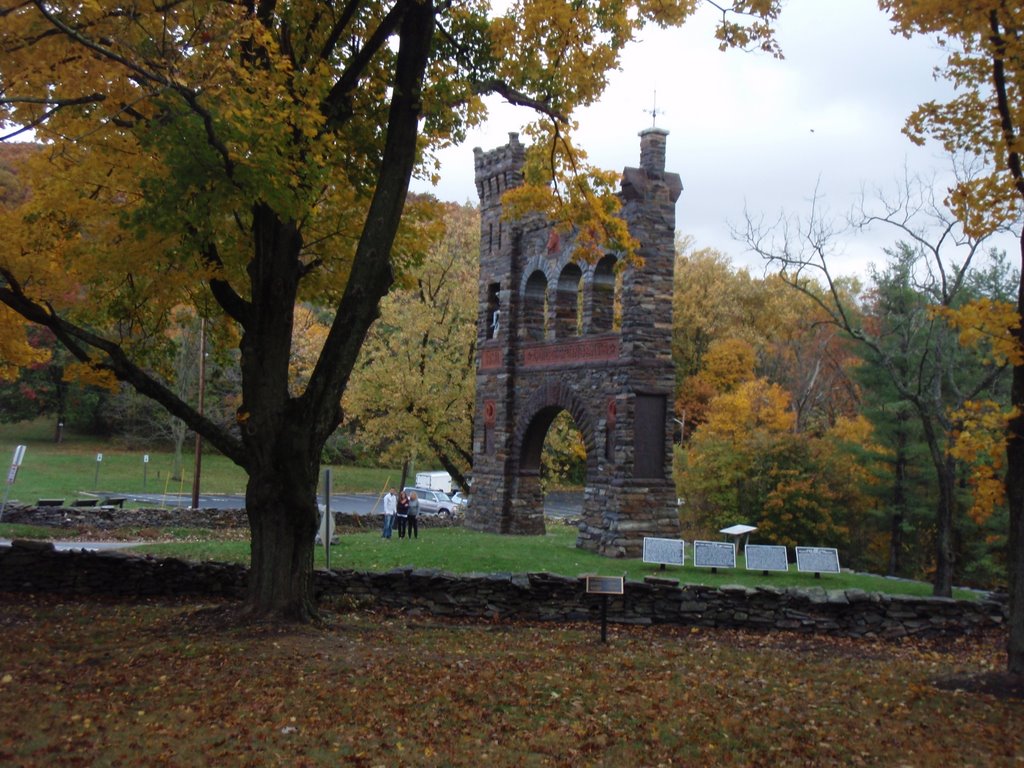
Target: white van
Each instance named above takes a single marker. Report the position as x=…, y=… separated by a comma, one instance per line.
x=435, y=481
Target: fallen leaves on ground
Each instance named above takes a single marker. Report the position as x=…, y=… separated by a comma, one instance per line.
x=97, y=682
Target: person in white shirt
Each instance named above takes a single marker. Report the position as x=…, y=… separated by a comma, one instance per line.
x=390, y=507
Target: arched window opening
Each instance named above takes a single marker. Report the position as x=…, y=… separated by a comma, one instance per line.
x=569, y=302
x=605, y=297
x=493, y=310
x=535, y=307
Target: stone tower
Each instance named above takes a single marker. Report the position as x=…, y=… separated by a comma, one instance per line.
x=591, y=339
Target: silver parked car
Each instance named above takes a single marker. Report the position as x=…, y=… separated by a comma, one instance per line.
x=433, y=502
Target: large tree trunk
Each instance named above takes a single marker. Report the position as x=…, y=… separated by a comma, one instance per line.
x=899, y=497
x=282, y=453
x=945, y=558
x=280, y=502
x=945, y=475
x=1015, y=500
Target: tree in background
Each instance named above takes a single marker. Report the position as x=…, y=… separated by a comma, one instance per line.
x=766, y=383
x=986, y=118
x=50, y=388
x=727, y=363
x=747, y=464
x=412, y=393
x=928, y=371
x=139, y=421
x=717, y=308
x=16, y=351
x=904, y=481
x=563, y=457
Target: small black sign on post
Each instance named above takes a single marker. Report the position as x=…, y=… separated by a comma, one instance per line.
x=604, y=586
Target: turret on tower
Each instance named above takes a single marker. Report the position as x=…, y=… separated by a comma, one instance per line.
x=499, y=170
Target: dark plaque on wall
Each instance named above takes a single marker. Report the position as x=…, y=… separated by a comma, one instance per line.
x=605, y=585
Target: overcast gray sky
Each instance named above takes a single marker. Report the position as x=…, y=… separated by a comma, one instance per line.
x=749, y=131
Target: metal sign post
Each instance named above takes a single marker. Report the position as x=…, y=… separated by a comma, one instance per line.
x=96, y=477
x=12, y=474
x=604, y=586
x=145, y=466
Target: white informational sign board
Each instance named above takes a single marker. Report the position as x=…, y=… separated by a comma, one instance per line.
x=817, y=560
x=19, y=456
x=714, y=554
x=664, y=551
x=766, y=557
x=326, y=528
x=738, y=530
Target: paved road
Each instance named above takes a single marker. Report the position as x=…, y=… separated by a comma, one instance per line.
x=91, y=546
x=557, y=504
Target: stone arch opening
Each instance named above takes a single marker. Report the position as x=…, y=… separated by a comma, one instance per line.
x=569, y=302
x=546, y=406
x=535, y=301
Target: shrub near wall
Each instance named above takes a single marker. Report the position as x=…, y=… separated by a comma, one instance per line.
x=37, y=567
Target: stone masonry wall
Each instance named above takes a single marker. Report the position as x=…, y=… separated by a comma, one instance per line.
x=105, y=518
x=37, y=567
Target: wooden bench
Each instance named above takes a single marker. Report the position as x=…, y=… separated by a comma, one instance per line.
x=85, y=502
x=50, y=503
x=114, y=501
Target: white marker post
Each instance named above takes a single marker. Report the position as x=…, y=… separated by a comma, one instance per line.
x=12, y=474
x=327, y=521
x=145, y=466
x=96, y=477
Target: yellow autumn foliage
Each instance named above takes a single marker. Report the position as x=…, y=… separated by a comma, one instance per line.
x=753, y=405
x=991, y=326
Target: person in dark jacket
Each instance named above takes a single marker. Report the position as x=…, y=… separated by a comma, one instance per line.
x=403, y=514
x=414, y=511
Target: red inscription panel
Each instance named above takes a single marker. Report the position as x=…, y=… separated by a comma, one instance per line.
x=490, y=358
x=567, y=352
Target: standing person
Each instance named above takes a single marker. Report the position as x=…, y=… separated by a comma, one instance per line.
x=414, y=510
x=390, y=507
x=403, y=513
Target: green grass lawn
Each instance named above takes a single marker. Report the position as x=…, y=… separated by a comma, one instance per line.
x=70, y=470
x=460, y=551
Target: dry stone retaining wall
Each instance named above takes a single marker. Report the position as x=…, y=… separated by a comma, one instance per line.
x=37, y=567
x=107, y=518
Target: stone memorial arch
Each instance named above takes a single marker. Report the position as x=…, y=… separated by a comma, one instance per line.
x=590, y=339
